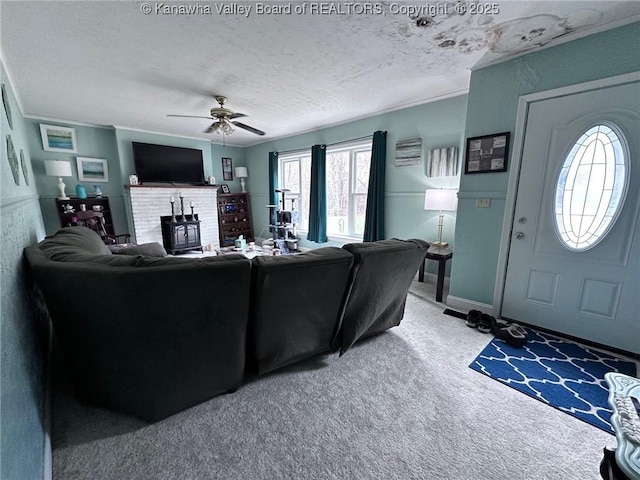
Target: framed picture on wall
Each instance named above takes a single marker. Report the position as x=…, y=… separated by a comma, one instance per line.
x=225, y=188
x=92, y=169
x=227, y=169
x=7, y=107
x=487, y=154
x=58, y=139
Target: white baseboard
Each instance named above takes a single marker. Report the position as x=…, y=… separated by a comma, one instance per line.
x=464, y=305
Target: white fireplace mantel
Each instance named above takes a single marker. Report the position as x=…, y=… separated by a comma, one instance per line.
x=148, y=203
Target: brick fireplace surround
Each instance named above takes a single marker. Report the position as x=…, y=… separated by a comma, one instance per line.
x=147, y=203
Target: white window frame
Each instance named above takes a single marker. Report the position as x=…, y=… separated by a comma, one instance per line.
x=293, y=157
x=353, y=150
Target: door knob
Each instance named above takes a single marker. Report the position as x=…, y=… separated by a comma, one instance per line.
x=519, y=235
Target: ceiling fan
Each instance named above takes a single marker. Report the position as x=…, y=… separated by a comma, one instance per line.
x=224, y=119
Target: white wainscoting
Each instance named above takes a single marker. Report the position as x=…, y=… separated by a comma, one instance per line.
x=147, y=204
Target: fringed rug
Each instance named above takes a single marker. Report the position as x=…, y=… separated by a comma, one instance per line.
x=558, y=372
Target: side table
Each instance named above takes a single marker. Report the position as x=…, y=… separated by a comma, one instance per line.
x=624, y=398
x=441, y=255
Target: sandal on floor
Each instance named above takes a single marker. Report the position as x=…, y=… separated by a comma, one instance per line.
x=512, y=334
x=520, y=329
x=486, y=323
x=473, y=317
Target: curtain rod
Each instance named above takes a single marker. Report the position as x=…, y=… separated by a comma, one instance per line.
x=327, y=144
x=348, y=141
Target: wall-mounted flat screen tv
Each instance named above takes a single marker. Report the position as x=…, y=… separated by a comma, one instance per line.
x=165, y=164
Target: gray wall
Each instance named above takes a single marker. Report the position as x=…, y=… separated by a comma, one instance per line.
x=24, y=439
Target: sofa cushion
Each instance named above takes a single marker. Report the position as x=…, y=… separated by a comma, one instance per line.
x=73, y=240
x=153, y=249
x=380, y=280
x=296, y=304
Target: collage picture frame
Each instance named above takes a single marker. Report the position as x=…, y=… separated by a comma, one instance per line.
x=487, y=154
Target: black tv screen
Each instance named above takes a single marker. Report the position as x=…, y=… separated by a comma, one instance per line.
x=165, y=164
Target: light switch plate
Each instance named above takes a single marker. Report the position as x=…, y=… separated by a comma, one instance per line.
x=483, y=202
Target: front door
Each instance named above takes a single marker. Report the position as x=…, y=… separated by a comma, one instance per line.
x=574, y=257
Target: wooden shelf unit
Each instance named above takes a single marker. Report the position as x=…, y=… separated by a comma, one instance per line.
x=234, y=218
x=68, y=216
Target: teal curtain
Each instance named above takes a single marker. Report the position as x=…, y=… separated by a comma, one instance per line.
x=273, y=184
x=318, y=195
x=374, y=219
x=273, y=177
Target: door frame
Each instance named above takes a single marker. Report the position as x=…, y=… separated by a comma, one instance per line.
x=524, y=102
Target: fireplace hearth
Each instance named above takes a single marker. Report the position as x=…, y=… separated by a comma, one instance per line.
x=148, y=203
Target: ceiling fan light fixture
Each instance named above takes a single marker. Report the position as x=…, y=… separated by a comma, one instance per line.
x=222, y=126
x=222, y=117
x=227, y=128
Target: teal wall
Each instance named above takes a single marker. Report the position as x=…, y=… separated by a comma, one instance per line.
x=92, y=142
x=24, y=435
x=211, y=154
x=492, y=107
x=113, y=145
x=438, y=124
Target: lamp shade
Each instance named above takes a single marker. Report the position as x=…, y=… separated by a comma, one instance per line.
x=241, y=172
x=56, y=168
x=440, y=199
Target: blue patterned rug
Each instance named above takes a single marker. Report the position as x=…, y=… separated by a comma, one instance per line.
x=558, y=372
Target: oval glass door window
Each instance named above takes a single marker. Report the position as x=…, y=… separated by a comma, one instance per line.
x=590, y=189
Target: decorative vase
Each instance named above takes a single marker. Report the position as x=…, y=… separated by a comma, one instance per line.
x=97, y=191
x=81, y=192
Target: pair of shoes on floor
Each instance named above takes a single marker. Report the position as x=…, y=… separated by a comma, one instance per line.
x=512, y=333
x=473, y=317
x=481, y=321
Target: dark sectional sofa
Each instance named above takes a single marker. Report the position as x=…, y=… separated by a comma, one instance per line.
x=151, y=335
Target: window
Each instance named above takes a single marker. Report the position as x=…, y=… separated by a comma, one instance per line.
x=347, y=184
x=295, y=174
x=590, y=188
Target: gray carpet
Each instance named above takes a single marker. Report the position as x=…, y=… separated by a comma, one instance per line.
x=403, y=405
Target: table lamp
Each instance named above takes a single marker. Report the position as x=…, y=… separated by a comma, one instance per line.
x=56, y=168
x=443, y=200
x=241, y=173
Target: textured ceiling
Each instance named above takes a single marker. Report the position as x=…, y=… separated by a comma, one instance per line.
x=108, y=63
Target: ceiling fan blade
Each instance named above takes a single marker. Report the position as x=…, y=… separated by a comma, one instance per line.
x=190, y=116
x=248, y=128
x=236, y=115
x=210, y=129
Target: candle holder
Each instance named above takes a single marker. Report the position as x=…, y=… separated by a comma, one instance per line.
x=182, y=218
x=192, y=215
x=173, y=214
